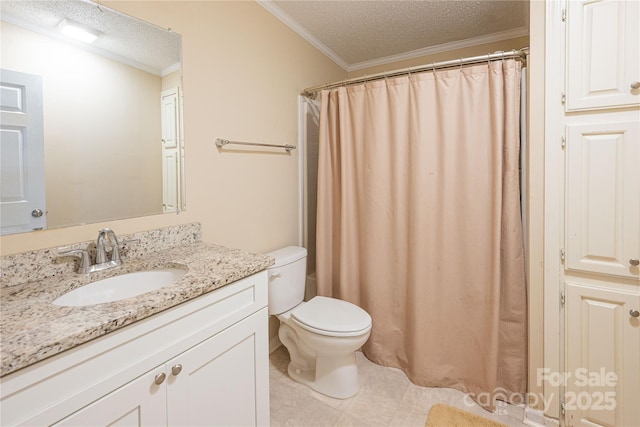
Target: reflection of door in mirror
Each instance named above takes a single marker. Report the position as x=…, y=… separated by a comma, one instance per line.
x=171, y=159
x=22, y=196
x=101, y=116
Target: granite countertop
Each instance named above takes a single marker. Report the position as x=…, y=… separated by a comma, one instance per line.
x=32, y=328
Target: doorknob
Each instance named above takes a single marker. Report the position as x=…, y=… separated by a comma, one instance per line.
x=634, y=313
x=37, y=213
x=634, y=261
x=635, y=85
x=175, y=370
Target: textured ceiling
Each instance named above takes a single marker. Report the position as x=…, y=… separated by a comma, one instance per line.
x=121, y=37
x=356, y=34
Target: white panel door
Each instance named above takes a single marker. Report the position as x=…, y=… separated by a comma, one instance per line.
x=224, y=381
x=22, y=178
x=169, y=105
x=603, y=199
x=603, y=53
x=142, y=402
x=603, y=357
x=170, y=178
x=171, y=149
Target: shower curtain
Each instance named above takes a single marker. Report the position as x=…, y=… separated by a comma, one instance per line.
x=419, y=224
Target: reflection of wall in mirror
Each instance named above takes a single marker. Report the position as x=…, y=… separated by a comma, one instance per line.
x=172, y=80
x=96, y=169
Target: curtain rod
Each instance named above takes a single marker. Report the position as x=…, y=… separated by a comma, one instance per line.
x=520, y=54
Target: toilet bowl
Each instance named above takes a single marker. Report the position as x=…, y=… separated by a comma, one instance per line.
x=321, y=335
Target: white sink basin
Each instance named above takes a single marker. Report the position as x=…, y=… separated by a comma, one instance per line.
x=120, y=287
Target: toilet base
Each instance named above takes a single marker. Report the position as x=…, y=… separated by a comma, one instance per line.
x=334, y=376
x=327, y=364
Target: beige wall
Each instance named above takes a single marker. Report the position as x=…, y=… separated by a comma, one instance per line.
x=243, y=71
x=481, y=49
x=93, y=127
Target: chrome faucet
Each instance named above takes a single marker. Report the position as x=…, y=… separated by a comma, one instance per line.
x=102, y=263
x=101, y=253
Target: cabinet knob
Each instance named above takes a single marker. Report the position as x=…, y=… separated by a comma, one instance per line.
x=176, y=369
x=634, y=313
x=635, y=85
x=159, y=378
x=634, y=261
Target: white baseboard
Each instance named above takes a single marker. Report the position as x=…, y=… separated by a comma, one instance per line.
x=536, y=418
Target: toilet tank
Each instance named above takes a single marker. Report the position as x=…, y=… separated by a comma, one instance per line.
x=287, y=278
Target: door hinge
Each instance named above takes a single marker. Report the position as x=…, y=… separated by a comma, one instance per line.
x=562, y=257
x=562, y=301
x=564, y=15
x=563, y=409
x=563, y=144
x=563, y=98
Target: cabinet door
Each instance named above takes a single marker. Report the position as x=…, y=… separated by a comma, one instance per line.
x=603, y=58
x=603, y=201
x=139, y=403
x=603, y=363
x=224, y=381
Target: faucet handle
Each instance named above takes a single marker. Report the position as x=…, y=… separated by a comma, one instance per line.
x=82, y=255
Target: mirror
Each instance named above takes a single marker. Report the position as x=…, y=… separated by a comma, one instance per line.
x=90, y=132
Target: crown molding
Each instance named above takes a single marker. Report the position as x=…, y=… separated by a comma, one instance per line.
x=444, y=47
x=303, y=32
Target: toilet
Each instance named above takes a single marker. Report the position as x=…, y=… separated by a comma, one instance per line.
x=322, y=334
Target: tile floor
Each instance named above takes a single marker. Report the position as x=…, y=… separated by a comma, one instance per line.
x=386, y=398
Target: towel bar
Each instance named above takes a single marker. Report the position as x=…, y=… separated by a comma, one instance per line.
x=222, y=142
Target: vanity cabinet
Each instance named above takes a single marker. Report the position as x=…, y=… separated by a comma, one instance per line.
x=204, y=362
x=210, y=384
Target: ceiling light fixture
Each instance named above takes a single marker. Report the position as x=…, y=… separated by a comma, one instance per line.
x=77, y=31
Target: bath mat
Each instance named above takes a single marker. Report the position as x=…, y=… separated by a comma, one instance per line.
x=447, y=416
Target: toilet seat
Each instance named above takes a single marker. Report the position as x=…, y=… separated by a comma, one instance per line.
x=331, y=317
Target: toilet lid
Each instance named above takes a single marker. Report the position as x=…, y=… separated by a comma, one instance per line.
x=332, y=315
